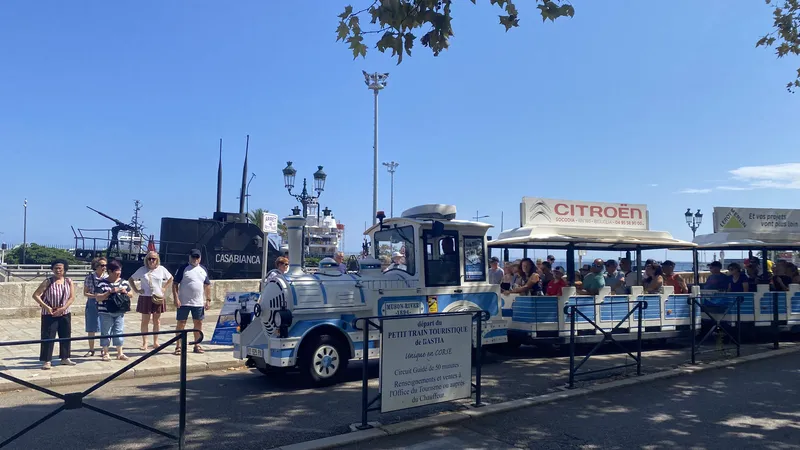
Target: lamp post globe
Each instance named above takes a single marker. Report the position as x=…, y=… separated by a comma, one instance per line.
x=288, y=176
x=319, y=180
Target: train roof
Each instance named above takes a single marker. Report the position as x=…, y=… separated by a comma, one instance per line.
x=549, y=237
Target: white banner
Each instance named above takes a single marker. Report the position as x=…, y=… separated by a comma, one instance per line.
x=425, y=361
x=269, y=223
x=544, y=211
x=756, y=220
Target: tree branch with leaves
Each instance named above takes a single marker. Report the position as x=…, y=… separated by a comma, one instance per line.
x=395, y=22
x=784, y=38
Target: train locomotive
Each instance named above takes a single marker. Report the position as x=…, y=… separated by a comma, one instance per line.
x=425, y=261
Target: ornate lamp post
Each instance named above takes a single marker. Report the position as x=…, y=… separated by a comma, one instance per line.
x=693, y=220
x=303, y=197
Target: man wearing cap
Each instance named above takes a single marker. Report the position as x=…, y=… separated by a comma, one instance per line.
x=673, y=279
x=192, y=293
x=594, y=281
x=558, y=283
x=495, y=272
x=717, y=281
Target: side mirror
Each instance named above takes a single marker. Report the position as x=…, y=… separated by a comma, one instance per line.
x=438, y=228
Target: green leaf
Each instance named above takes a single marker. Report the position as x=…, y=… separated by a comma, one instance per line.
x=342, y=31
x=348, y=10
x=357, y=46
x=409, y=43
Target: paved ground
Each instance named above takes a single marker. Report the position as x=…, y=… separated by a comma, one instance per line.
x=751, y=405
x=244, y=409
x=23, y=361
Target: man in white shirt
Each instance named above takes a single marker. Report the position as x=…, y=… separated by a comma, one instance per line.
x=192, y=293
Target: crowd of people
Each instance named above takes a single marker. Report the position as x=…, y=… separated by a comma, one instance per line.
x=525, y=277
x=108, y=297
x=528, y=278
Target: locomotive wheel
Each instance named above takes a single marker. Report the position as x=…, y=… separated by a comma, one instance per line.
x=324, y=361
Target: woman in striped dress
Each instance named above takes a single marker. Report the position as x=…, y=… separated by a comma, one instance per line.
x=55, y=295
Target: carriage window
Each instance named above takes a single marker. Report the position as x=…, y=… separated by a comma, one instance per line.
x=474, y=259
x=441, y=259
x=395, y=249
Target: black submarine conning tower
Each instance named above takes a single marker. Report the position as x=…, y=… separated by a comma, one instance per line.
x=219, y=215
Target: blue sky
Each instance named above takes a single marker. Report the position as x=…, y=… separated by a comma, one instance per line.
x=658, y=103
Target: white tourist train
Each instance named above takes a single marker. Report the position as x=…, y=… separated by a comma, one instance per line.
x=425, y=261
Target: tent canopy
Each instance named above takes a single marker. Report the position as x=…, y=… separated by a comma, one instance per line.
x=743, y=240
x=559, y=238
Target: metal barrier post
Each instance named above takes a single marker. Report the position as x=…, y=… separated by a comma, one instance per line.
x=571, y=309
x=639, y=340
x=182, y=422
x=739, y=301
x=692, y=301
x=478, y=352
x=364, y=378
x=775, y=328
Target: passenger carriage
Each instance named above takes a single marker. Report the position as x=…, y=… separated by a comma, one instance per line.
x=425, y=261
x=755, y=229
x=573, y=226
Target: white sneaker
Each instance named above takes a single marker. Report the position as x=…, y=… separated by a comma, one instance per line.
x=68, y=362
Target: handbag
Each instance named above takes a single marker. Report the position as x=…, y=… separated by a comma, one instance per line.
x=156, y=299
x=118, y=303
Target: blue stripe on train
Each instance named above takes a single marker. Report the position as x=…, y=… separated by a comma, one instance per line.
x=728, y=299
x=536, y=309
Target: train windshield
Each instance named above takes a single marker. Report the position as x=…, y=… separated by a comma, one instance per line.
x=395, y=249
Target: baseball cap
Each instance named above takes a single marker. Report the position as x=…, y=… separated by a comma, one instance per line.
x=195, y=253
x=559, y=269
x=715, y=264
x=668, y=263
x=396, y=254
x=494, y=259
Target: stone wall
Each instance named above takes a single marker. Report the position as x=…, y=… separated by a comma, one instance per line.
x=16, y=298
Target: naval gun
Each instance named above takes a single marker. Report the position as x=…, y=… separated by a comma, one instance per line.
x=134, y=235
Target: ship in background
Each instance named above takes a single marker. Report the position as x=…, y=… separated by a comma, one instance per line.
x=231, y=246
x=324, y=234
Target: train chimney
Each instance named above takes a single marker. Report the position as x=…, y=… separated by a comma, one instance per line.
x=244, y=178
x=294, y=231
x=219, y=179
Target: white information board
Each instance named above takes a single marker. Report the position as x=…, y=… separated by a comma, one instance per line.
x=425, y=361
x=269, y=224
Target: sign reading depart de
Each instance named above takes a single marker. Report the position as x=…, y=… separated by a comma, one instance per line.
x=550, y=212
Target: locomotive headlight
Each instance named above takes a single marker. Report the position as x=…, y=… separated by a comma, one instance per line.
x=283, y=318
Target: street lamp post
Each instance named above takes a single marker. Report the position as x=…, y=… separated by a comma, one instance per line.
x=478, y=217
x=693, y=220
x=24, y=231
x=304, y=197
x=391, y=167
x=376, y=82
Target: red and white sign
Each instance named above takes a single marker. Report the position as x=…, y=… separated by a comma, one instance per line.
x=549, y=212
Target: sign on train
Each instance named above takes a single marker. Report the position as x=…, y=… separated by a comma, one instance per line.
x=536, y=211
x=425, y=360
x=756, y=220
